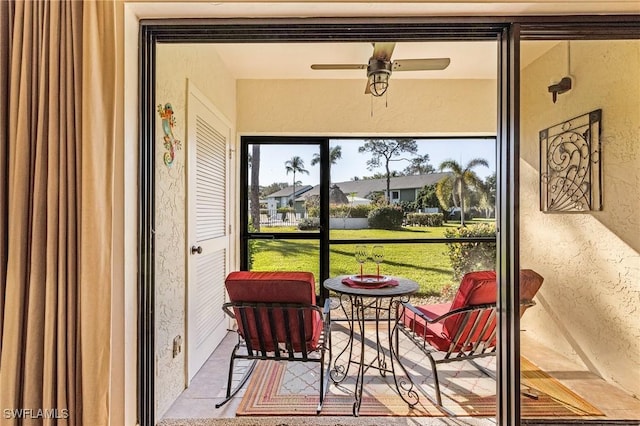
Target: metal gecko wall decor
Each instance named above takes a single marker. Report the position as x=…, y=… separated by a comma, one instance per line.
x=171, y=144
x=570, y=165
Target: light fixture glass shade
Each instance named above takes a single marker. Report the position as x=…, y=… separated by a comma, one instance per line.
x=378, y=72
x=378, y=83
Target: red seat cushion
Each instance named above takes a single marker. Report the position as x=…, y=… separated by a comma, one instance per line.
x=276, y=287
x=431, y=332
x=476, y=288
x=530, y=283
x=284, y=287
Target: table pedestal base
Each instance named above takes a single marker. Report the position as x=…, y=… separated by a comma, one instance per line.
x=386, y=360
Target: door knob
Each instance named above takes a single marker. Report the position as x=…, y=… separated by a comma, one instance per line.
x=195, y=250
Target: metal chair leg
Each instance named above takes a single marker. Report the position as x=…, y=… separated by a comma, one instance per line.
x=246, y=376
x=324, y=374
x=482, y=369
x=435, y=379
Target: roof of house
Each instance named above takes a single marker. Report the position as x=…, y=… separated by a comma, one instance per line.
x=363, y=188
x=286, y=192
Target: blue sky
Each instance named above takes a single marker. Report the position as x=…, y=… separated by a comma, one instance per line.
x=352, y=163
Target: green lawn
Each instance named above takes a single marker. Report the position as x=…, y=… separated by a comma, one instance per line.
x=427, y=264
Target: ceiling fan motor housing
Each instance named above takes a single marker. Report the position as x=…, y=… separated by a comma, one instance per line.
x=377, y=66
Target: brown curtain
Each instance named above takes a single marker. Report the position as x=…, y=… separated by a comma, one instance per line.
x=56, y=168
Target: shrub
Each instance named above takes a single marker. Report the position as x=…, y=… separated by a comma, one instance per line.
x=425, y=219
x=343, y=210
x=309, y=224
x=284, y=210
x=386, y=217
x=346, y=210
x=472, y=256
x=408, y=206
x=339, y=210
x=312, y=205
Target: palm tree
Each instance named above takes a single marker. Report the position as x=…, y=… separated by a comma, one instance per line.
x=295, y=165
x=488, y=195
x=335, y=154
x=462, y=179
x=444, y=192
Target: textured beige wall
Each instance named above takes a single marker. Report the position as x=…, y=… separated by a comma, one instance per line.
x=414, y=107
x=589, y=304
x=175, y=64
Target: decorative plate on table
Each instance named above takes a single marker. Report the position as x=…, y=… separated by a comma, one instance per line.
x=369, y=279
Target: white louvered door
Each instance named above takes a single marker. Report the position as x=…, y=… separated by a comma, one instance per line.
x=208, y=138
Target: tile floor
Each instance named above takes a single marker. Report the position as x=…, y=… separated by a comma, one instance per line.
x=209, y=386
x=612, y=401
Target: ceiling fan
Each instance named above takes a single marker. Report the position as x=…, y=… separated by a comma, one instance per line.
x=380, y=67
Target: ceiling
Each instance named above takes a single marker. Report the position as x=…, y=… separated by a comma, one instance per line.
x=469, y=60
x=292, y=61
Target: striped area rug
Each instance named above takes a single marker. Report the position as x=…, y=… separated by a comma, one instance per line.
x=291, y=389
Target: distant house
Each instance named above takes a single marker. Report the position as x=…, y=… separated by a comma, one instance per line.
x=281, y=198
x=402, y=188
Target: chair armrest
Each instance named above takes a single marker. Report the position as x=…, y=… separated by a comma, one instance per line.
x=419, y=313
x=462, y=310
x=227, y=310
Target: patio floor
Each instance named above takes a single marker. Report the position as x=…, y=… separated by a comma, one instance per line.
x=196, y=405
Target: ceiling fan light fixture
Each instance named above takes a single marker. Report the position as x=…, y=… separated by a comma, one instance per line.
x=378, y=73
x=378, y=83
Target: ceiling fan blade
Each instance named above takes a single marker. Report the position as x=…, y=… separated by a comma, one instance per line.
x=339, y=67
x=383, y=51
x=420, y=64
x=367, y=90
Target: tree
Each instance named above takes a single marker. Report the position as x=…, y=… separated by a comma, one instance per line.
x=384, y=151
x=295, y=165
x=419, y=166
x=462, y=179
x=255, y=186
x=380, y=175
x=274, y=187
x=335, y=154
x=488, y=195
x=427, y=197
x=444, y=192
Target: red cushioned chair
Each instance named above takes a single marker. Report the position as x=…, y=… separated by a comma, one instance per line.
x=465, y=328
x=278, y=319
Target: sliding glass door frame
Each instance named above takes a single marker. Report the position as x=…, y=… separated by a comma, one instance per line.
x=507, y=31
x=290, y=30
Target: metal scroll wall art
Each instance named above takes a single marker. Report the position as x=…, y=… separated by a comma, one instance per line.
x=570, y=166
